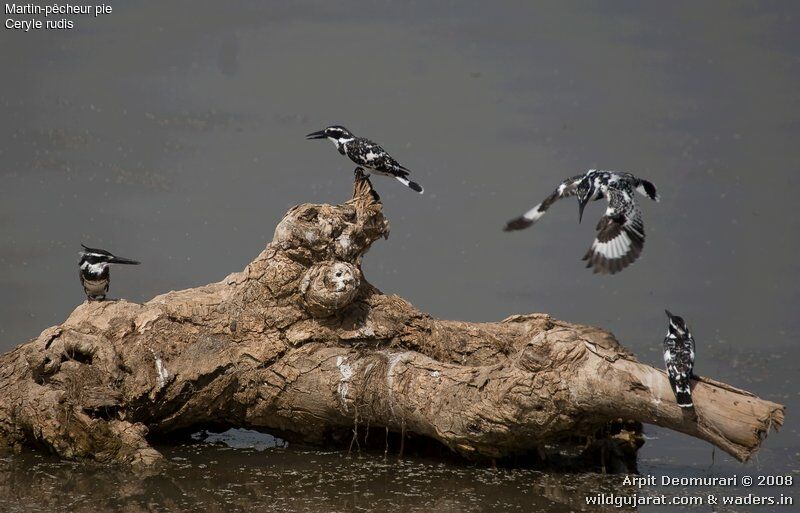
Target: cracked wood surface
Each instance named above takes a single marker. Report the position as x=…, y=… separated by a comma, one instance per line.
x=300, y=345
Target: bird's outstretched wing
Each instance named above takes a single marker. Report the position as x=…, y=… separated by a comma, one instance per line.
x=567, y=188
x=620, y=235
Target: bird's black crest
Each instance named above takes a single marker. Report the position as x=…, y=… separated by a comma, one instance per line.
x=677, y=320
x=95, y=250
x=650, y=189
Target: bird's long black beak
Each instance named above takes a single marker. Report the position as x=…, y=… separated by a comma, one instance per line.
x=320, y=134
x=669, y=314
x=581, y=206
x=120, y=260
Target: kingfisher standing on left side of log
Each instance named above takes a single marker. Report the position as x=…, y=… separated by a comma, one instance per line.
x=95, y=273
x=679, y=359
x=620, y=232
x=366, y=154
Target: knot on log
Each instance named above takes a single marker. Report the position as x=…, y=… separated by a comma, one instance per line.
x=329, y=287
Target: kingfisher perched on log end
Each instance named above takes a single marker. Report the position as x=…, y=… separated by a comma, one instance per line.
x=95, y=273
x=366, y=154
x=620, y=232
x=679, y=359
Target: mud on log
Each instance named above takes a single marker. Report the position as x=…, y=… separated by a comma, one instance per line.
x=300, y=345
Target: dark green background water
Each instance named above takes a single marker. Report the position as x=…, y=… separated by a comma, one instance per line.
x=172, y=132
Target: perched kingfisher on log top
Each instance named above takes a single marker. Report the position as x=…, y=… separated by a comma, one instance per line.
x=366, y=154
x=94, y=271
x=620, y=232
x=679, y=359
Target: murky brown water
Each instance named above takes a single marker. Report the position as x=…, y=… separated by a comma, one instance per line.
x=172, y=132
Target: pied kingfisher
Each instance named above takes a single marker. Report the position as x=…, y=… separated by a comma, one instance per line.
x=94, y=271
x=620, y=232
x=366, y=154
x=679, y=359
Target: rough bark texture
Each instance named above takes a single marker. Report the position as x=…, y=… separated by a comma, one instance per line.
x=300, y=345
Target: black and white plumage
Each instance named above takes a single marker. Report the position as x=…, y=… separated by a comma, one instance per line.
x=366, y=154
x=679, y=359
x=94, y=271
x=620, y=232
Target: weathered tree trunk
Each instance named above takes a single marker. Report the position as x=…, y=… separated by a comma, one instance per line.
x=300, y=345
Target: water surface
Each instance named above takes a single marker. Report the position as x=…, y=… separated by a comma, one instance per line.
x=173, y=133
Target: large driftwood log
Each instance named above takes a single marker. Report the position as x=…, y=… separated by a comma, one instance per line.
x=300, y=345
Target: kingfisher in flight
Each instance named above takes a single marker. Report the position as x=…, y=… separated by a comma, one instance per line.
x=679, y=359
x=95, y=273
x=620, y=232
x=366, y=154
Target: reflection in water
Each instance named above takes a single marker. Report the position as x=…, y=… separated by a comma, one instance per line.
x=217, y=478
x=242, y=470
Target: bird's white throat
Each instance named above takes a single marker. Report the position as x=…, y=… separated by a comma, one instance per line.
x=97, y=268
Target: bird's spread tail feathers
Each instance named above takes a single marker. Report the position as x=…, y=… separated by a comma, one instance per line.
x=414, y=186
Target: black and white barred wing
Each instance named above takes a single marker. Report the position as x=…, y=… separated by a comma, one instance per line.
x=567, y=188
x=375, y=159
x=370, y=155
x=679, y=362
x=620, y=235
